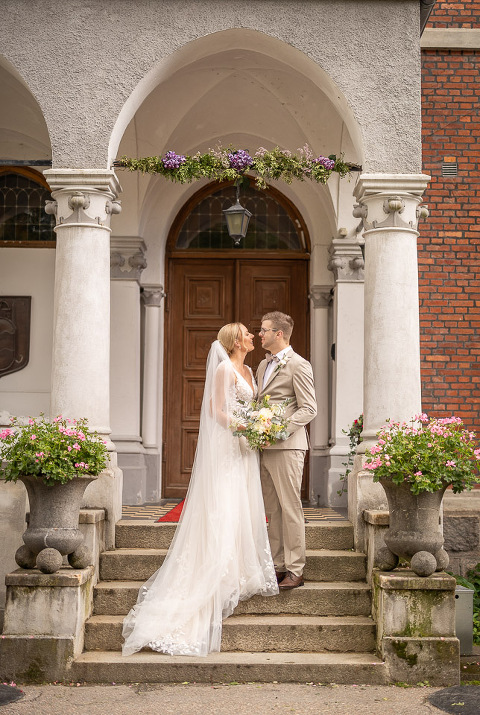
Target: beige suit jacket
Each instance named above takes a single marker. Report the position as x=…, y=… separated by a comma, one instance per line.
x=293, y=381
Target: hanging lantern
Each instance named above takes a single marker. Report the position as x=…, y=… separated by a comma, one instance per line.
x=237, y=218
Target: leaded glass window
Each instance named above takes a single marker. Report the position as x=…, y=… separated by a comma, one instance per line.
x=22, y=209
x=271, y=226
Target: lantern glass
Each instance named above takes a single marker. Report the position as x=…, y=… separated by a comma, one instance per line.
x=237, y=218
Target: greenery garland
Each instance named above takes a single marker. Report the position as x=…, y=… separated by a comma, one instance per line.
x=230, y=164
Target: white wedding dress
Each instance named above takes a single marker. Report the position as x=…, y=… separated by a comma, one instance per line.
x=220, y=553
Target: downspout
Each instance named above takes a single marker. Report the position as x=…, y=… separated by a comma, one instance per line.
x=426, y=7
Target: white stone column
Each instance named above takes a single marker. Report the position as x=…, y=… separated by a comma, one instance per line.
x=83, y=202
x=321, y=298
x=388, y=205
x=347, y=265
x=152, y=296
x=152, y=299
x=127, y=262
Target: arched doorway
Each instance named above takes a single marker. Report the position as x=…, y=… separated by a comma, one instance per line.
x=209, y=283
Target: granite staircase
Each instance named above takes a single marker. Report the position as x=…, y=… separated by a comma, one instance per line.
x=321, y=632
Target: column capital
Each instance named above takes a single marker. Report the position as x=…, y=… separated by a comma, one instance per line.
x=390, y=201
x=321, y=296
x=369, y=184
x=127, y=258
x=346, y=260
x=152, y=295
x=83, y=197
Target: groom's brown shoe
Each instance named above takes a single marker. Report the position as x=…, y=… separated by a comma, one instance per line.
x=291, y=581
x=280, y=575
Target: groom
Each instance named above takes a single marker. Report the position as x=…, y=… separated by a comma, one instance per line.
x=285, y=375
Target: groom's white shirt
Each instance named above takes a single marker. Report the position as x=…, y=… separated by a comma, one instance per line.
x=272, y=365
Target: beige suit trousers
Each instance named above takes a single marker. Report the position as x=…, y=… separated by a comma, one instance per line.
x=281, y=473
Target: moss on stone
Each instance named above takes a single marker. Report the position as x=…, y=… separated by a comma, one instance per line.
x=400, y=648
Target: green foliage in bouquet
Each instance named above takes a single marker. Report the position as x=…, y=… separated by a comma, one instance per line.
x=261, y=422
x=54, y=451
x=427, y=453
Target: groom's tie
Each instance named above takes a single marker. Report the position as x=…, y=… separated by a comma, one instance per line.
x=269, y=357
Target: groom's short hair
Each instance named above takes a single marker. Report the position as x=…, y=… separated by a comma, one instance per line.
x=280, y=321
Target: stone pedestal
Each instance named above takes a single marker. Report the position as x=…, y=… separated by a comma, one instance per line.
x=363, y=494
x=416, y=627
x=91, y=523
x=376, y=524
x=13, y=506
x=44, y=623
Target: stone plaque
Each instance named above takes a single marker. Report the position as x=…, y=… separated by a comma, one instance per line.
x=14, y=333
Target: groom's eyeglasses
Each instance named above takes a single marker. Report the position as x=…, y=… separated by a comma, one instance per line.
x=262, y=331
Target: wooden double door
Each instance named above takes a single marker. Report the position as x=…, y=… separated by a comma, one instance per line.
x=204, y=294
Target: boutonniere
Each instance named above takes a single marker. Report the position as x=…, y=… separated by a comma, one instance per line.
x=282, y=363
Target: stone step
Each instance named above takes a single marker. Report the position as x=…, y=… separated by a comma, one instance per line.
x=149, y=667
x=316, y=598
x=321, y=565
x=262, y=633
x=149, y=535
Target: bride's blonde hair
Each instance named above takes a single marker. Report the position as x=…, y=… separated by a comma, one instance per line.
x=228, y=334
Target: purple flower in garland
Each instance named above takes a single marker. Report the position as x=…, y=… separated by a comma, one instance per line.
x=324, y=161
x=240, y=160
x=171, y=160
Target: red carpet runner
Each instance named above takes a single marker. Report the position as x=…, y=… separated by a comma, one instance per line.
x=174, y=514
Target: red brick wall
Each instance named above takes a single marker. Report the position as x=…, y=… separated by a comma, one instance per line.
x=449, y=244
x=464, y=13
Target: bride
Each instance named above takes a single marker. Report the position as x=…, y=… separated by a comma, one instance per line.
x=220, y=553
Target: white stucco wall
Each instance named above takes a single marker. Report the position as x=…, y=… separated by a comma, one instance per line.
x=30, y=272
x=96, y=54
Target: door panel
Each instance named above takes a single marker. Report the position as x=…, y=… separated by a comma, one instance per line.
x=200, y=302
x=205, y=294
x=266, y=286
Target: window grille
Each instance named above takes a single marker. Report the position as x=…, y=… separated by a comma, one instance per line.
x=22, y=209
x=271, y=227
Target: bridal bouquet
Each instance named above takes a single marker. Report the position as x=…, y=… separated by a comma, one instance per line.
x=261, y=423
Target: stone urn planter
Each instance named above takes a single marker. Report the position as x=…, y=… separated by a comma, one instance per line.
x=56, y=460
x=53, y=525
x=414, y=533
x=415, y=462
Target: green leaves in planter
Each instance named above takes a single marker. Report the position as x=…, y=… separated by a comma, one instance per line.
x=53, y=450
x=428, y=454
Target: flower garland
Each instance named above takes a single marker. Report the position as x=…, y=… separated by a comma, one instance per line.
x=229, y=164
